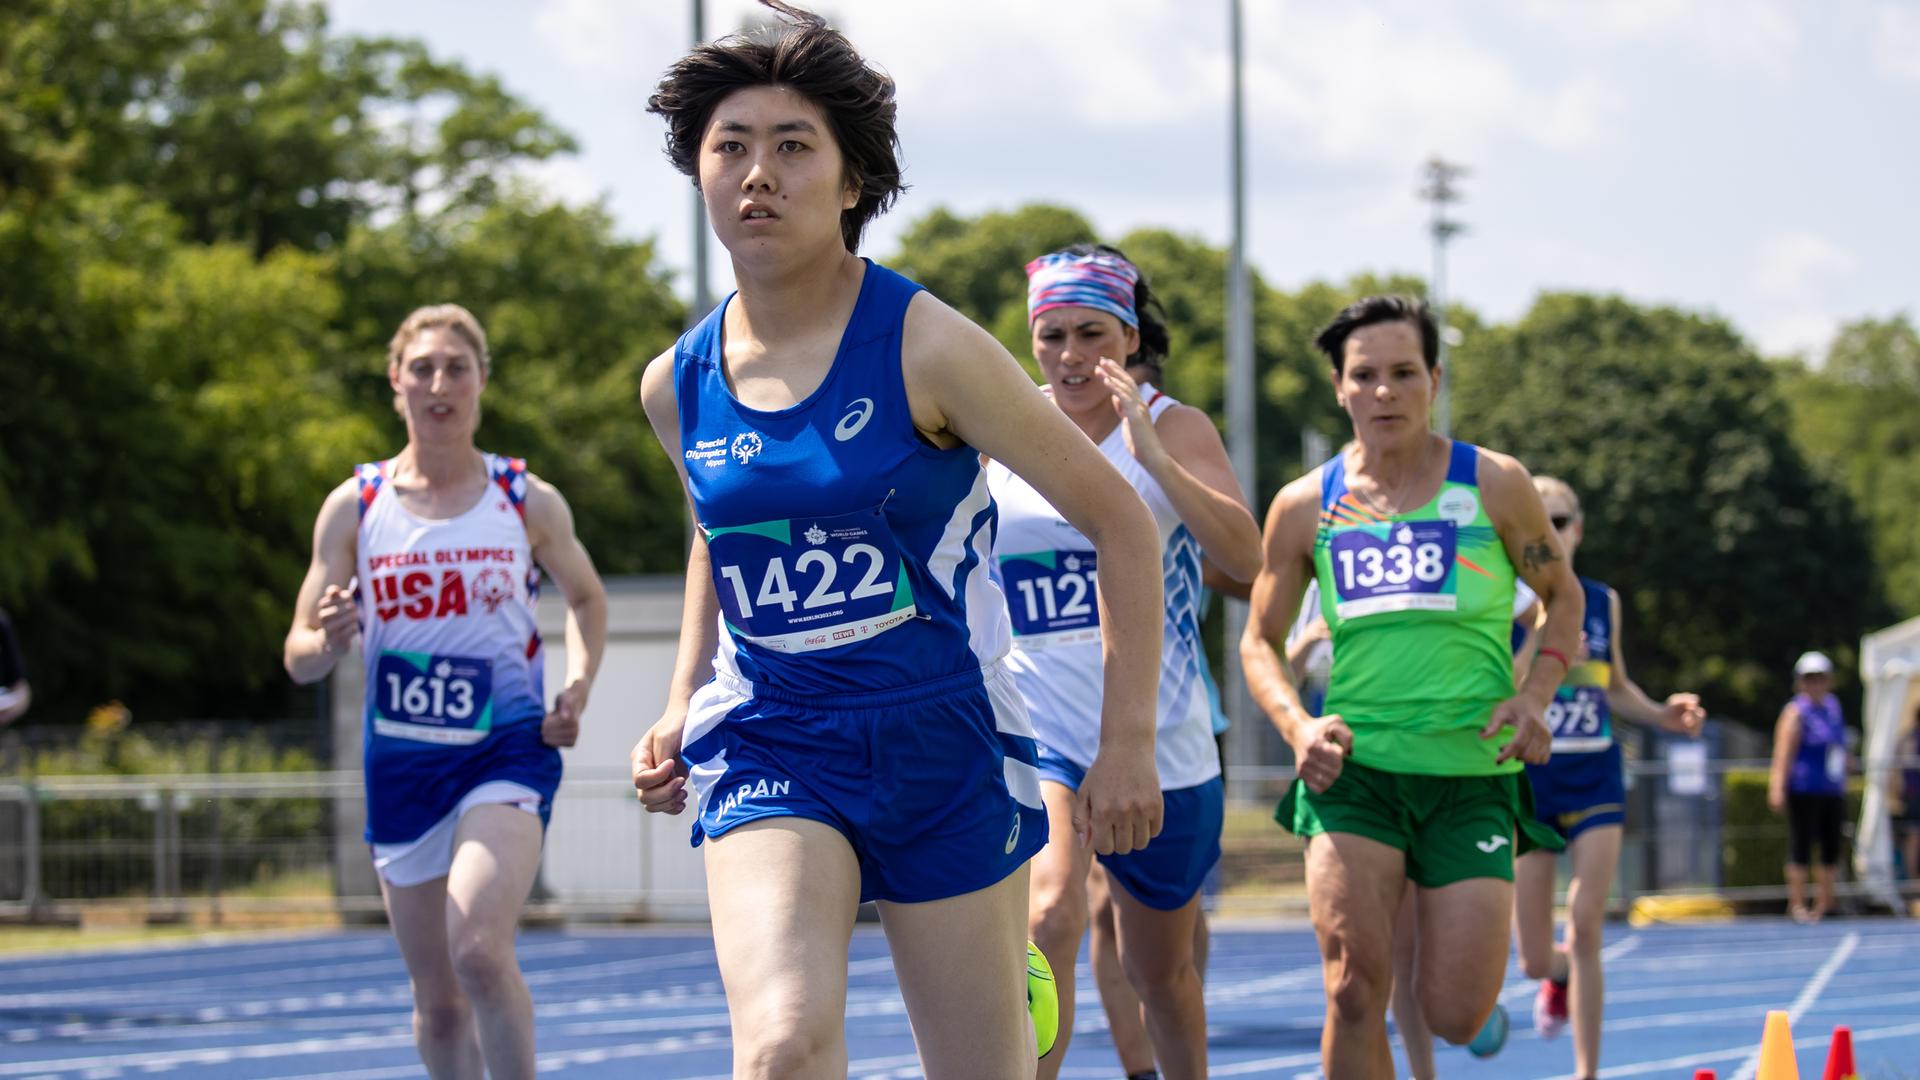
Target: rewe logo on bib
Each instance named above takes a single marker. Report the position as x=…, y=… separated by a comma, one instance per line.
x=859, y=411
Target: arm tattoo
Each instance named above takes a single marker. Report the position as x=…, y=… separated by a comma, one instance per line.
x=1538, y=555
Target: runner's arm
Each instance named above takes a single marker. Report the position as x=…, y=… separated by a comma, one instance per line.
x=1286, y=565
x=309, y=654
x=700, y=612
x=1534, y=549
x=559, y=552
x=1629, y=702
x=1198, y=481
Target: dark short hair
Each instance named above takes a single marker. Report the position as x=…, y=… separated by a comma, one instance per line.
x=803, y=54
x=1332, y=340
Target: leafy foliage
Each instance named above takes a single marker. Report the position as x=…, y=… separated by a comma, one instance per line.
x=212, y=215
x=1729, y=551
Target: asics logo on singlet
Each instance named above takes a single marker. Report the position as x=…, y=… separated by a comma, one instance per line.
x=746, y=446
x=1491, y=844
x=1013, y=838
x=859, y=411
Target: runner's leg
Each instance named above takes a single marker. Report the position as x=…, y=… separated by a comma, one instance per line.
x=1354, y=888
x=1463, y=954
x=962, y=965
x=443, y=1028
x=783, y=893
x=1057, y=908
x=1596, y=854
x=1156, y=949
x=1415, y=1039
x=496, y=853
x=1126, y=1021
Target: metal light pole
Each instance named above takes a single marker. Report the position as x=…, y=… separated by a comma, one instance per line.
x=702, y=299
x=1243, y=738
x=1439, y=191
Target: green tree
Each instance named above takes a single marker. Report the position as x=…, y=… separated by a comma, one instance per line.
x=213, y=213
x=1855, y=417
x=1731, y=553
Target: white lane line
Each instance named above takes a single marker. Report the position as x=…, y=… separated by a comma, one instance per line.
x=1811, y=1042
x=1808, y=995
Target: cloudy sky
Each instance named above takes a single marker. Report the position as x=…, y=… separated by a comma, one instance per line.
x=1756, y=158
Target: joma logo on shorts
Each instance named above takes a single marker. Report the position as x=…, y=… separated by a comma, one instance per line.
x=1489, y=845
x=751, y=791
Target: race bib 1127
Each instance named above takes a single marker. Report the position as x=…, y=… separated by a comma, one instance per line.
x=1052, y=597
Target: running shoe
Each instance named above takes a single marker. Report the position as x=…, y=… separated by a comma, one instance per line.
x=1550, y=1009
x=1493, y=1034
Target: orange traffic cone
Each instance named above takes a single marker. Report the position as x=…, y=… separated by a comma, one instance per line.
x=1776, y=1050
x=1840, y=1056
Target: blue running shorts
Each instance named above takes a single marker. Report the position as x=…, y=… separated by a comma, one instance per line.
x=1576, y=792
x=1172, y=867
x=933, y=785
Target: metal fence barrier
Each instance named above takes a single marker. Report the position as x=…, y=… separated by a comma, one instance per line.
x=226, y=848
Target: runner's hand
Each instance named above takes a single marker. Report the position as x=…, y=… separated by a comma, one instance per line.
x=1532, y=742
x=1118, y=807
x=1322, y=752
x=562, y=725
x=1684, y=715
x=1137, y=420
x=339, y=617
x=658, y=775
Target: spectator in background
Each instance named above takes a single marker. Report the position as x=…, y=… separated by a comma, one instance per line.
x=1808, y=783
x=15, y=694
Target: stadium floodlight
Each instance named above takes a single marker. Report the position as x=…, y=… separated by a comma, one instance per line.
x=1440, y=191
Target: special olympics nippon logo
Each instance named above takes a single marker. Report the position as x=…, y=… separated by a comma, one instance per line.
x=746, y=446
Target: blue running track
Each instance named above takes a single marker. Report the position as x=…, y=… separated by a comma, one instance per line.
x=627, y=1003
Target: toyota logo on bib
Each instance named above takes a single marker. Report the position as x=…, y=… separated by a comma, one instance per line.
x=859, y=411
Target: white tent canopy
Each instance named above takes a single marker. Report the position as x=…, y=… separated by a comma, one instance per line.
x=1890, y=667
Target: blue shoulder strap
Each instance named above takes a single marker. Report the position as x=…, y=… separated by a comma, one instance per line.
x=1464, y=466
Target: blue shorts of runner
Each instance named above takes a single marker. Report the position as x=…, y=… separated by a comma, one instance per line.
x=1576, y=792
x=413, y=786
x=1173, y=866
x=933, y=785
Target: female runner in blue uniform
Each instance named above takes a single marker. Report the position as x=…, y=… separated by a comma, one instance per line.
x=840, y=717
x=1580, y=792
x=433, y=558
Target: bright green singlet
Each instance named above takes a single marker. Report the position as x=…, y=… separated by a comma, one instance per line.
x=1419, y=607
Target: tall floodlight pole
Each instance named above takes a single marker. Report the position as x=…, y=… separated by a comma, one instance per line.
x=1440, y=191
x=1244, y=741
x=702, y=298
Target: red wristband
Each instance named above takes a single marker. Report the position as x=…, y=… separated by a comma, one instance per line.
x=1565, y=664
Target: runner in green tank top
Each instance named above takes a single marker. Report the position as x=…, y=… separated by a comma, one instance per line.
x=1413, y=772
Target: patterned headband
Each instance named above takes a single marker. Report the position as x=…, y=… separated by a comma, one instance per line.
x=1102, y=282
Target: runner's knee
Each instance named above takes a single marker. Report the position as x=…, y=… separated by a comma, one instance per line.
x=1059, y=917
x=440, y=1014
x=777, y=1042
x=1357, y=991
x=484, y=961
